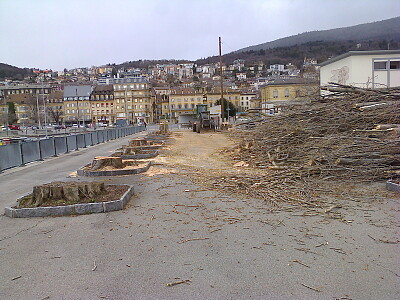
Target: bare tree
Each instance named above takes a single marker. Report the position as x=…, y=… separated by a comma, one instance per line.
x=55, y=113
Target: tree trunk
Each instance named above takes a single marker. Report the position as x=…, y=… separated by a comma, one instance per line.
x=105, y=161
x=68, y=191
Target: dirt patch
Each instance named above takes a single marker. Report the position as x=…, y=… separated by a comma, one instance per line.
x=159, y=171
x=191, y=149
x=112, y=192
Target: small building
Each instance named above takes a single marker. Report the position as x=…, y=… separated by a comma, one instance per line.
x=365, y=69
x=283, y=91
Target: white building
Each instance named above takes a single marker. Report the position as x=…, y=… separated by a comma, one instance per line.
x=365, y=69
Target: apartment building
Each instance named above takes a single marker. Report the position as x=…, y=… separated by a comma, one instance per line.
x=182, y=101
x=102, y=104
x=133, y=100
x=77, y=103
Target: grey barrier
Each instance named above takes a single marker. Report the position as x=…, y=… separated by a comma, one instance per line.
x=30, y=152
x=100, y=136
x=47, y=148
x=80, y=141
x=88, y=139
x=95, y=139
x=71, y=143
x=10, y=156
x=61, y=145
x=14, y=155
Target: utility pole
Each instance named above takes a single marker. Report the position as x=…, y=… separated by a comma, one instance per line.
x=44, y=107
x=221, y=81
x=77, y=105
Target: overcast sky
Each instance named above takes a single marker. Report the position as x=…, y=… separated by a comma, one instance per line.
x=58, y=34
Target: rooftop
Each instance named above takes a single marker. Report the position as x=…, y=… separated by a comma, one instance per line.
x=354, y=53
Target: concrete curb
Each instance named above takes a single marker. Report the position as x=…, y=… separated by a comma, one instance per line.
x=86, y=173
x=144, y=148
x=151, y=154
x=391, y=186
x=75, y=209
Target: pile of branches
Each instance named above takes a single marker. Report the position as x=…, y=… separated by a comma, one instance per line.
x=350, y=133
x=349, y=136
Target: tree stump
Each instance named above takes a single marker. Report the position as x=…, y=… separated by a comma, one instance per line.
x=163, y=128
x=67, y=191
x=105, y=161
x=128, y=150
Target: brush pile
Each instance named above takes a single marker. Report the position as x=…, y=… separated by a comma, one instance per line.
x=350, y=135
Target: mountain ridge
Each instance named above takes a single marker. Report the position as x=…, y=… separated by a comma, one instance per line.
x=384, y=30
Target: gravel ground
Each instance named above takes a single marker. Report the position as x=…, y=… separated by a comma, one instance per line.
x=180, y=240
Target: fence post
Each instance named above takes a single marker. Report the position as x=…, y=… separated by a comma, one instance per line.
x=40, y=150
x=22, y=154
x=54, y=145
x=66, y=144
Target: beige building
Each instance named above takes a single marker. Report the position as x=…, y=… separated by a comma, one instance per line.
x=181, y=102
x=133, y=100
x=102, y=104
x=77, y=104
x=281, y=91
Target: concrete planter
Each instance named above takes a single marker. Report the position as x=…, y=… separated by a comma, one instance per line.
x=391, y=186
x=88, y=173
x=149, y=154
x=75, y=209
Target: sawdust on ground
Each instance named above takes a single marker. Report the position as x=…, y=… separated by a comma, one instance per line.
x=190, y=149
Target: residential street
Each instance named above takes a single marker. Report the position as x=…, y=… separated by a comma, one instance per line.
x=180, y=239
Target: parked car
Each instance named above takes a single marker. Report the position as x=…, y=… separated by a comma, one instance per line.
x=14, y=127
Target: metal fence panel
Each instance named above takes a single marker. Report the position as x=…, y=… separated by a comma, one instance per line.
x=100, y=136
x=88, y=139
x=71, y=142
x=95, y=139
x=10, y=156
x=47, y=147
x=30, y=151
x=61, y=144
x=80, y=140
x=106, y=135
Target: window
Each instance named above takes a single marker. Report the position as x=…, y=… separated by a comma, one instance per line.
x=186, y=106
x=380, y=65
x=287, y=93
x=394, y=64
x=275, y=93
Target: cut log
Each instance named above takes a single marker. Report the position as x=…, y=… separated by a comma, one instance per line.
x=105, y=161
x=367, y=161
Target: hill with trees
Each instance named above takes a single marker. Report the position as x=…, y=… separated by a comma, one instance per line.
x=382, y=30
x=11, y=72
